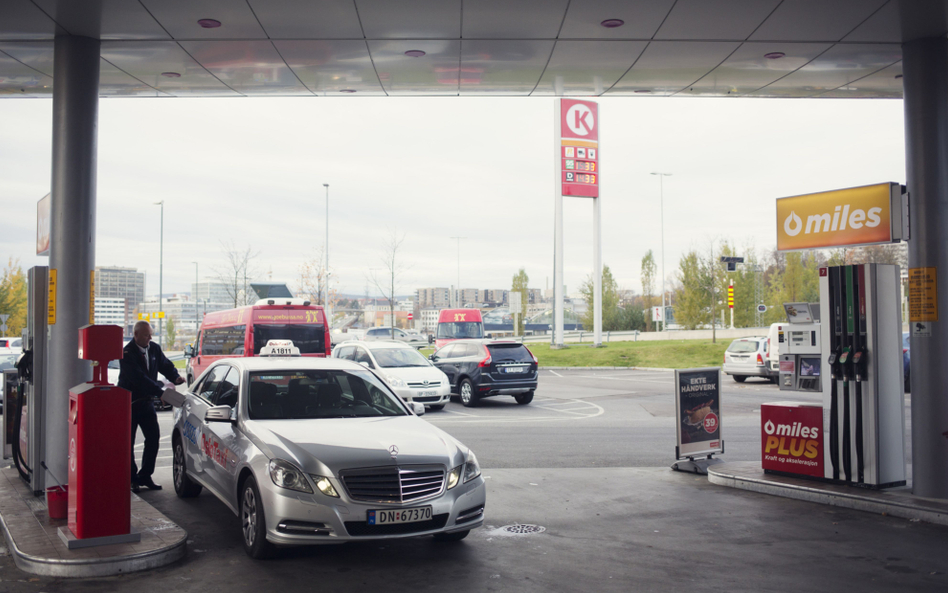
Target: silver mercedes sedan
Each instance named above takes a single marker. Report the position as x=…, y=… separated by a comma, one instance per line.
x=317, y=451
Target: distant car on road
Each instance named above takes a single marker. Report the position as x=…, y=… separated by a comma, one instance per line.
x=484, y=368
x=11, y=345
x=747, y=357
x=408, y=373
x=390, y=333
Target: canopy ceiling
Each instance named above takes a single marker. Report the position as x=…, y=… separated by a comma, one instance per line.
x=749, y=48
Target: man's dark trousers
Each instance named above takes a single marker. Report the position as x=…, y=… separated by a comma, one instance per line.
x=144, y=417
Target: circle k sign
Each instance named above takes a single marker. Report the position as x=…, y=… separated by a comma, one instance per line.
x=579, y=119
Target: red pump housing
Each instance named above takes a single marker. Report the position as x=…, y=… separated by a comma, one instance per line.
x=100, y=423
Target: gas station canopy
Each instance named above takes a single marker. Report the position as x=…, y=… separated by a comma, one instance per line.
x=218, y=48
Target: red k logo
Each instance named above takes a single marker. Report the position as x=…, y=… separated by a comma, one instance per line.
x=580, y=120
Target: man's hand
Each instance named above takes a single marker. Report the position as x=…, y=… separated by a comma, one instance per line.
x=178, y=381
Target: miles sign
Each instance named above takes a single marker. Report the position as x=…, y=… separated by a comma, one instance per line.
x=855, y=216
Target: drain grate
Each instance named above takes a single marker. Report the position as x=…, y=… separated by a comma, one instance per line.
x=524, y=528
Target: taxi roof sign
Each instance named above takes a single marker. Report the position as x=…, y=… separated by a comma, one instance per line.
x=280, y=348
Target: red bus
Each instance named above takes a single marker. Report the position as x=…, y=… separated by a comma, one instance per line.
x=458, y=324
x=245, y=330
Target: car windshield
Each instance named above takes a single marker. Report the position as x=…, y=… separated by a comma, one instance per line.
x=308, y=394
x=461, y=330
x=742, y=346
x=399, y=357
x=7, y=361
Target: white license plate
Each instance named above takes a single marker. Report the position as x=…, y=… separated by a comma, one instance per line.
x=387, y=517
x=515, y=369
x=428, y=394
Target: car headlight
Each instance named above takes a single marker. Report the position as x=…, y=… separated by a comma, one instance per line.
x=285, y=475
x=325, y=486
x=394, y=381
x=454, y=477
x=471, y=468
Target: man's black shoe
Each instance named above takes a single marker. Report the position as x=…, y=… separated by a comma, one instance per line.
x=149, y=483
x=136, y=487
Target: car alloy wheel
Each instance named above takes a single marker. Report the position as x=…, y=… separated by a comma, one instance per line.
x=248, y=516
x=184, y=487
x=253, y=522
x=178, y=466
x=466, y=391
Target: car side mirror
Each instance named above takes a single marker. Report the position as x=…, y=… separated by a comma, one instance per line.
x=189, y=351
x=220, y=414
x=418, y=408
x=433, y=357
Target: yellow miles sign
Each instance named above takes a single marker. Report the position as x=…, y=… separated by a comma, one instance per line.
x=854, y=216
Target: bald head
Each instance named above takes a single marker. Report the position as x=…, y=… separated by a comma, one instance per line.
x=142, y=333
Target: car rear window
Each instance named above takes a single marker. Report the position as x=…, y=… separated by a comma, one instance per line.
x=509, y=353
x=741, y=346
x=310, y=339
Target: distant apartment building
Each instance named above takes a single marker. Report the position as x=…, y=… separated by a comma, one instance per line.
x=212, y=292
x=110, y=311
x=437, y=298
x=127, y=284
x=428, y=321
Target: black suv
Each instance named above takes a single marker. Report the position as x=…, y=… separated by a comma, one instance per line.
x=483, y=368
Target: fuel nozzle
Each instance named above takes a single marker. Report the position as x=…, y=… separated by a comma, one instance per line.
x=833, y=362
x=845, y=364
x=859, y=364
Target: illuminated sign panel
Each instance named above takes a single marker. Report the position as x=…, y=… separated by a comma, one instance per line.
x=579, y=148
x=854, y=216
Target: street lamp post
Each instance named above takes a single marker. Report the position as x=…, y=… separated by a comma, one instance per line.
x=326, y=273
x=661, y=193
x=161, y=265
x=458, y=288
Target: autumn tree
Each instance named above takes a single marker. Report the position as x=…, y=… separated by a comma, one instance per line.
x=520, y=285
x=692, y=296
x=13, y=297
x=610, y=301
x=237, y=273
x=315, y=283
x=649, y=271
x=171, y=332
x=386, y=279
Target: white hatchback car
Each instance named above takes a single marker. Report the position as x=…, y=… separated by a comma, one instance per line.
x=317, y=451
x=408, y=373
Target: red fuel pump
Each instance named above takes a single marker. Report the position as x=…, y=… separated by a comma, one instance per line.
x=99, y=447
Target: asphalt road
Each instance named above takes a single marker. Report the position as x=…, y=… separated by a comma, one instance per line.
x=588, y=461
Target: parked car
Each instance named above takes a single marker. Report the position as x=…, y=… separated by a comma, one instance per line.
x=407, y=372
x=11, y=345
x=907, y=361
x=484, y=368
x=310, y=451
x=774, y=336
x=747, y=357
x=393, y=333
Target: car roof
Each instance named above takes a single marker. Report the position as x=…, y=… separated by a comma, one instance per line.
x=283, y=363
x=385, y=344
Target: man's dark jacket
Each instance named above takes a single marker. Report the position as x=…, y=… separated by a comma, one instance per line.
x=144, y=384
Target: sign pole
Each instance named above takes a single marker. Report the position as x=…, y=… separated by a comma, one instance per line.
x=597, y=273
x=557, y=234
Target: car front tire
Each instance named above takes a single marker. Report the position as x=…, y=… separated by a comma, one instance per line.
x=740, y=378
x=454, y=536
x=253, y=523
x=466, y=391
x=184, y=486
x=524, y=398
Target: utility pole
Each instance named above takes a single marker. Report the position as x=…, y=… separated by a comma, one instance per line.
x=161, y=266
x=661, y=197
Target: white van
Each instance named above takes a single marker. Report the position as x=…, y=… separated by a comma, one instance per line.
x=775, y=339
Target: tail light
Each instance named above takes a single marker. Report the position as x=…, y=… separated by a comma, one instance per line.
x=486, y=362
x=533, y=355
x=760, y=360
x=904, y=350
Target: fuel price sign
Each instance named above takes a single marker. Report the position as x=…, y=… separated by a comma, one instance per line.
x=579, y=148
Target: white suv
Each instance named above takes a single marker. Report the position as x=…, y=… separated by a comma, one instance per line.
x=385, y=333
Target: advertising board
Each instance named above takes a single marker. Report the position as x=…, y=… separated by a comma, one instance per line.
x=698, y=411
x=579, y=148
x=854, y=216
x=791, y=438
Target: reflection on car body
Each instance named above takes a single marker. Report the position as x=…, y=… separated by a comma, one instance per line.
x=317, y=451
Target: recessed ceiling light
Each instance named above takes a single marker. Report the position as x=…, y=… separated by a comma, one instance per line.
x=209, y=23
x=898, y=76
x=775, y=55
x=347, y=90
x=612, y=23
x=171, y=74
x=643, y=91
x=414, y=53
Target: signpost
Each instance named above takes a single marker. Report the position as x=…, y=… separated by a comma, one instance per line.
x=577, y=158
x=698, y=419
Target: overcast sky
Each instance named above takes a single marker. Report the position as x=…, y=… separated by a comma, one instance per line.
x=251, y=171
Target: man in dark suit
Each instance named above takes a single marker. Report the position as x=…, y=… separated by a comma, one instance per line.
x=141, y=362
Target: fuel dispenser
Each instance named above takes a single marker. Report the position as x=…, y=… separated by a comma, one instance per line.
x=799, y=348
x=863, y=398
x=849, y=347
x=100, y=421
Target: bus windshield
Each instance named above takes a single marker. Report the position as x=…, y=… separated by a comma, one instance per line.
x=460, y=330
x=309, y=338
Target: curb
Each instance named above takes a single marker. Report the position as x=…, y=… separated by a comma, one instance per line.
x=659, y=369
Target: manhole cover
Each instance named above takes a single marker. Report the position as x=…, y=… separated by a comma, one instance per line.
x=523, y=528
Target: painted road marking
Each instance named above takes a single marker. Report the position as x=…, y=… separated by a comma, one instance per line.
x=584, y=410
x=557, y=374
